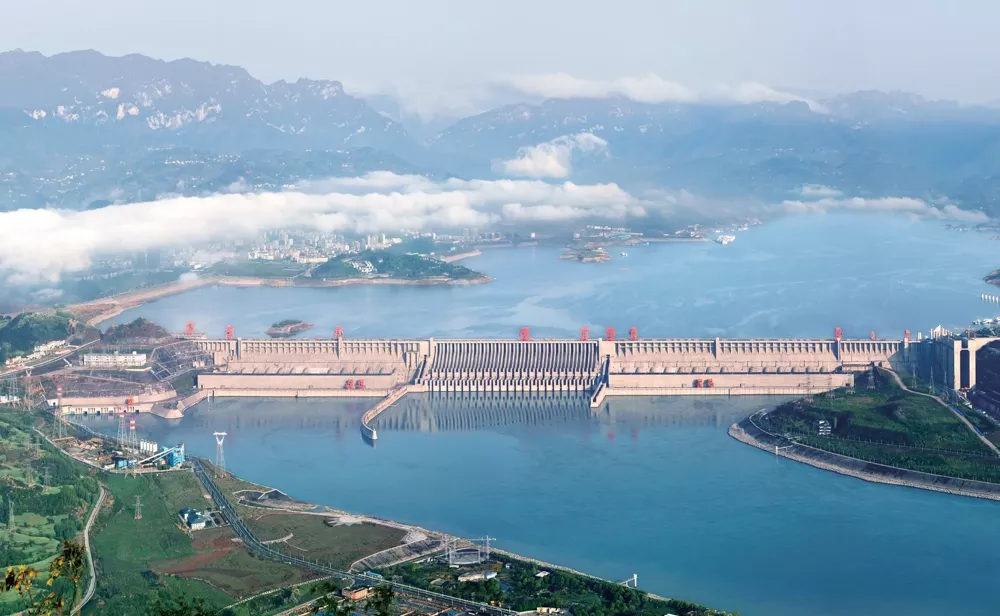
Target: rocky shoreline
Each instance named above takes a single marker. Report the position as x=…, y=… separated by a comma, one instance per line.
x=746, y=432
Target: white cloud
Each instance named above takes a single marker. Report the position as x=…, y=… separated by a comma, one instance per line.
x=906, y=205
x=41, y=244
x=812, y=191
x=651, y=89
x=552, y=159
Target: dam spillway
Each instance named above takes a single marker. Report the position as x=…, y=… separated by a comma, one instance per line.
x=391, y=368
x=653, y=366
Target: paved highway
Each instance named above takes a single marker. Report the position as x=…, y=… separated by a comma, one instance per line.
x=90, y=559
x=253, y=544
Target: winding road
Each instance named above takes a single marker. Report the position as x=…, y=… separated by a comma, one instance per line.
x=960, y=416
x=89, y=594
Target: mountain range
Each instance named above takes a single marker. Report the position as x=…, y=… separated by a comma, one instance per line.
x=81, y=129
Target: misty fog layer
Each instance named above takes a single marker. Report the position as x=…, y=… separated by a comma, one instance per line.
x=42, y=244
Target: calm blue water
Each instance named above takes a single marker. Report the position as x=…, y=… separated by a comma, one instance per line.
x=655, y=487
x=800, y=276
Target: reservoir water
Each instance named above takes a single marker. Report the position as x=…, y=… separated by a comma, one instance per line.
x=653, y=486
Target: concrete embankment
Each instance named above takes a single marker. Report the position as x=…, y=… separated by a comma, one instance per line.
x=748, y=432
x=461, y=255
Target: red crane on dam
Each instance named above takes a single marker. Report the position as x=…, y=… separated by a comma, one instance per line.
x=189, y=328
x=524, y=335
x=338, y=332
x=872, y=335
x=838, y=333
x=230, y=332
x=633, y=334
x=609, y=334
x=584, y=334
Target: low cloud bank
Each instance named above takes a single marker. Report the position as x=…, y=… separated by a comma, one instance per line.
x=814, y=191
x=40, y=245
x=652, y=88
x=552, y=159
x=904, y=205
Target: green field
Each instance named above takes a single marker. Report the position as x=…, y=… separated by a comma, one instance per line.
x=393, y=265
x=44, y=515
x=257, y=269
x=140, y=561
x=517, y=588
x=312, y=538
x=125, y=549
x=887, y=425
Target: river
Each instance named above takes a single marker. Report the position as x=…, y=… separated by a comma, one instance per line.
x=655, y=486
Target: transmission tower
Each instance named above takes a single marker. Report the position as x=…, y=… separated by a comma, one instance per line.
x=138, y=507
x=29, y=477
x=10, y=391
x=133, y=438
x=46, y=477
x=484, y=547
x=220, y=456
x=10, y=516
x=122, y=431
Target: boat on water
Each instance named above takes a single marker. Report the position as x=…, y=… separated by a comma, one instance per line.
x=624, y=254
x=725, y=239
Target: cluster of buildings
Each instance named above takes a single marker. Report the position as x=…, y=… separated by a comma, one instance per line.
x=114, y=361
x=38, y=352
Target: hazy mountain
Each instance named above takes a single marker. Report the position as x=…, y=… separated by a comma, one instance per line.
x=84, y=128
x=138, y=101
x=868, y=143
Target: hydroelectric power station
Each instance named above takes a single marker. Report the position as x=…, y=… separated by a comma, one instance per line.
x=389, y=369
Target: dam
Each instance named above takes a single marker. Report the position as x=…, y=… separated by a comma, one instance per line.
x=391, y=368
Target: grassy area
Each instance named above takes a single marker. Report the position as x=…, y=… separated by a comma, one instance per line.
x=257, y=269
x=887, y=425
x=393, y=265
x=48, y=494
x=883, y=414
x=125, y=549
x=312, y=538
x=517, y=587
x=221, y=561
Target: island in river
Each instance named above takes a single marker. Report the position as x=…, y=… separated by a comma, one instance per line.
x=287, y=328
x=368, y=267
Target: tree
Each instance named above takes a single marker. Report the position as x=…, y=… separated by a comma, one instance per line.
x=380, y=600
x=69, y=565
x=180, y=607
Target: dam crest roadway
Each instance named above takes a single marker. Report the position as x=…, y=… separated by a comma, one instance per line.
x=389, y=369
x=386, y=370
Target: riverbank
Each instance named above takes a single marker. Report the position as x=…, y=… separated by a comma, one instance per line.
x=751, y=434
x=459, y=256
x=97, y=311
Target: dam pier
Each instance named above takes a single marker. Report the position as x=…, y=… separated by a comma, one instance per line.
x=391, y=368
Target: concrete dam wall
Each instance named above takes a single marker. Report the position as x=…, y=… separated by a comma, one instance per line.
x=557, y=366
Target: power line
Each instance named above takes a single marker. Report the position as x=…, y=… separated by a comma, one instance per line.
x=220, y=455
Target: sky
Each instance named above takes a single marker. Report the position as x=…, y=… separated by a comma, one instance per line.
x=438, y=52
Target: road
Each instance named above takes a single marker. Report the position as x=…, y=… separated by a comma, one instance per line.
x=960, y=416
x=88, y=595
x=254, y=545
